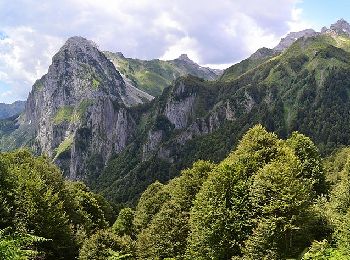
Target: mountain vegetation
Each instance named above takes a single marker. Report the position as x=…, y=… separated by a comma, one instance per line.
x=41, y=214
x=252, y=165
x=268, y=199
x=152, y=76
x=305, y=89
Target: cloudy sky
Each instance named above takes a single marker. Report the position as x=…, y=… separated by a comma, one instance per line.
x=216, y=33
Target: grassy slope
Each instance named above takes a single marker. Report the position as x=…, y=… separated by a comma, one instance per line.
x=152, y=76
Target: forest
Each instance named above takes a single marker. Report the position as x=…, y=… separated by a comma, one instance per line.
x=268, y=199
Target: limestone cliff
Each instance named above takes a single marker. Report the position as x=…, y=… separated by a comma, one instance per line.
x=80, y=108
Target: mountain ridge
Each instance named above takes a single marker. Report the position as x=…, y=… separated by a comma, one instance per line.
x=9, y=110
x=152, y=76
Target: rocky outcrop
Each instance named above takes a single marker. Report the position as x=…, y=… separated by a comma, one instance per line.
x=341, y=27
x=188, y=66
x=80, y=108
x=81, y=112
x=263, y=53
x=287, y=41
x=154, y=138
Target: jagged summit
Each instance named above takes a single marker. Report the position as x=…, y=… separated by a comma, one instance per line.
x=292, y=37
x=78, y=47
x=80, y=41
x=120, y=54
x=262, y=53
x=340, y=27
x=184, y=57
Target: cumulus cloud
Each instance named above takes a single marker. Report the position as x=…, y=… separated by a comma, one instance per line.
x=210, y=32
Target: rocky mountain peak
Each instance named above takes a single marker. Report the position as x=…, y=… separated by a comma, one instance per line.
x=78, y=49
x=81, y=99
x=263, y=53
x=120, y=54
x=292, y=37
x=184, y=57
x=79, y=41
x=340, y=27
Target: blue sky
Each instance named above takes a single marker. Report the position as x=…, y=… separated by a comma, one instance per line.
x=324, y=12
x=213, y=33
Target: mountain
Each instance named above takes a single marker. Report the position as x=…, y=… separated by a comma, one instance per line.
x=93, y=122
x=79, y=108
x=152, y=76
x=8, y=110
x=257, y=58
x=292, y=37
x=341, y=27
x=305, y=88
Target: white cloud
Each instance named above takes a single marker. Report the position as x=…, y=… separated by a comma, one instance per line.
x=24, y=57
x=217, y=33
x=297, y=23
x=184, y=45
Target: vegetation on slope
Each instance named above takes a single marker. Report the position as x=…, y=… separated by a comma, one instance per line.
x=154, y=75
x=305, y=89
x=40, y=212
x=269, y=199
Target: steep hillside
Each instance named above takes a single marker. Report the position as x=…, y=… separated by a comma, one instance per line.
x=257, y=58
x=305, y=88
x=152, y=76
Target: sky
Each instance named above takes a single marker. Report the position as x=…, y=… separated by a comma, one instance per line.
x=213, y=33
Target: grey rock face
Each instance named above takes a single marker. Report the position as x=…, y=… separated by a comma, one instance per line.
x=79, y=108
x=153, y=140
x=178, y=112
x=341, y=27
x=338, y=28
x=187, y=65
x=292, y=37
x=263, y=53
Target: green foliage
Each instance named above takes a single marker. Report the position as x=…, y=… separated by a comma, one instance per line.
x=323, y=251
x=244, y=66
x=337, y=209
x=64, y=146
x=38, y=202
x=124, y=223
x=19, y=246
x=63, y=114
x=87, y=213
x=149, y=204
x=166, y=234
x=256, y=203
x=104, y=244
x=95, y=83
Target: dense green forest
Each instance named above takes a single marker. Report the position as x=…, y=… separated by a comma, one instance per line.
x=269, y=199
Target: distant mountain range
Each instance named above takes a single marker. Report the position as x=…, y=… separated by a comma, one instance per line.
x=94, y=113
x=152, y=76
x=9, y=110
